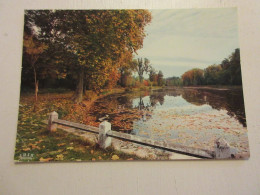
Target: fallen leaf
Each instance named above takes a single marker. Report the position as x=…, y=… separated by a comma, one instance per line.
x=115, y=157
x=45, y=159
x=59, y=157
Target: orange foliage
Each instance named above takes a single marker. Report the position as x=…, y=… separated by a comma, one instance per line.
x=113, y=78
x=146, y=83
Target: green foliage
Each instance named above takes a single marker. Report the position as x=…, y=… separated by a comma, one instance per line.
x=174, y=81
x=226, y=73
x=160, y=79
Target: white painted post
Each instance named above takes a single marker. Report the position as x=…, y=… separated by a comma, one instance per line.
x=52, y=126
x=103, y=140
x=222, y=149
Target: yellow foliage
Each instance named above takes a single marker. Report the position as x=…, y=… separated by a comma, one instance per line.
x=45, y=159
x=115, y=157
x=59, y=157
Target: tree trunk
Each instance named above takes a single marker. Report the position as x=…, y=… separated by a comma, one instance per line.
x=36, y=85
x=84, y=87
x=78, y=96
x=121, y=78
x=141, y=78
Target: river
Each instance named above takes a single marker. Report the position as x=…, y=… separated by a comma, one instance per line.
x=193, y=117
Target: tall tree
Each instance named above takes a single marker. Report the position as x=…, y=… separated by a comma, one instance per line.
x=97, y=37
x=126, y=67
x=142, y=67
x=33, y=49
x=152, y=74
x=160, y=78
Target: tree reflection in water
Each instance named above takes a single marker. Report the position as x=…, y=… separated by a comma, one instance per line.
x=230, y=100
x=188, y=116
x=122, y=109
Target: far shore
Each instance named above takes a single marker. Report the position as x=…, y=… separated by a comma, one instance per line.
x=220, y=88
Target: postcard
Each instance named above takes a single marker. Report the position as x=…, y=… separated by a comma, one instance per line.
x=124, y=85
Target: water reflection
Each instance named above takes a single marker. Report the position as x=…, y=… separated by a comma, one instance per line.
x=193, y=117
x=229, y=100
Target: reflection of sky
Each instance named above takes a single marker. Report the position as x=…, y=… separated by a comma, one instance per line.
x=181, y=122
x=180, y=105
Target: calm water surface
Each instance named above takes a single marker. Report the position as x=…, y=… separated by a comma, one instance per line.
x=192, y=117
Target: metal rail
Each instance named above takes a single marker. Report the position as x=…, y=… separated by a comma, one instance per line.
x=191, y=151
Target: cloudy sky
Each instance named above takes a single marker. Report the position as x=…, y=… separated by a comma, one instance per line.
x=179, y=40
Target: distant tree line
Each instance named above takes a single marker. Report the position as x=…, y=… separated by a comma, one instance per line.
x=226, y=73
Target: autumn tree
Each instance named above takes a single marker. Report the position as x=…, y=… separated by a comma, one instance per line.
x=98, y=38
x=33, y=49
x=193, y=77
x=127, y=67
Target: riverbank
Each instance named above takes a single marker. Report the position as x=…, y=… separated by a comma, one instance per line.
x=129, y=148
x=35, y=144
x=121, y=108
x=214, y=87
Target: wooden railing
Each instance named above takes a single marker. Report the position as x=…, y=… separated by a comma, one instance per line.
x=105, y=135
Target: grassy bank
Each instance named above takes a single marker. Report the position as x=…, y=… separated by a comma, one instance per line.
x=35, y=143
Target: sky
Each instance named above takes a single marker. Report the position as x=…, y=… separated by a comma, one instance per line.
x=182, y=39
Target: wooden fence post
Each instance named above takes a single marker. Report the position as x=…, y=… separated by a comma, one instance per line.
x=52, y=126
x=103, y=140
x=222, y=149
